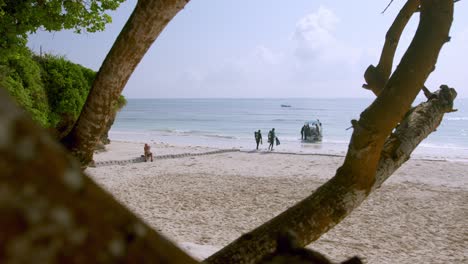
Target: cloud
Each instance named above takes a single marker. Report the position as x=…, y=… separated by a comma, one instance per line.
x=314, y=63
x=315, y=40
x=313, y=33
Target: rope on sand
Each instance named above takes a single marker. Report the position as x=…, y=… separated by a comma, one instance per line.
x=161, y=157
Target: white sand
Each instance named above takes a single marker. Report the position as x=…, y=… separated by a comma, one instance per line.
x=420, y=215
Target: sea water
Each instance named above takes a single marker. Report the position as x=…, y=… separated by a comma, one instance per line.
x=230, y=123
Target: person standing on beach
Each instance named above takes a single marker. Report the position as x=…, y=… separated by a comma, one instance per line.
x=258, y=137
x=148, y=153
x=271, y=138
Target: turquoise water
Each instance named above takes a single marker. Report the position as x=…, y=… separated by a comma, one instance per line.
x=232, y=122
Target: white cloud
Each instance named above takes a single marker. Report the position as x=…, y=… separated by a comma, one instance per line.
x=314, y=63
x=315, y=40
x=314, y=33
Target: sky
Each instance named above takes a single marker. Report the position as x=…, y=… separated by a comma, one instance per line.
x=264, y=49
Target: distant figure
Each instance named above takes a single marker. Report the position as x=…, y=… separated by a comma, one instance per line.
x=148, y=153
x=302, y=132
x=258, y=137
x=271, y=138
x=306, y=131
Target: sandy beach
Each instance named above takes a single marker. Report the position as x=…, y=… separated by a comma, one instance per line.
x=204, y=202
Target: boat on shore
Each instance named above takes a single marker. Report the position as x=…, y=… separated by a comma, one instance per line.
x=312, y=131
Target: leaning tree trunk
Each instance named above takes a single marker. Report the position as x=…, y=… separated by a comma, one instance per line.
x=366, y=156
x=145, y=24
x=52, y=213
x=105, y=135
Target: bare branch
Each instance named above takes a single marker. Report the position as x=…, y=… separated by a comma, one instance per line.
x=376, y=77
x=427, y=93
x=391, y=1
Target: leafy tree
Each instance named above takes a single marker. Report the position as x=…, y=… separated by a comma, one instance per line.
x=67, y=85
x=20, y=17
x=22, y=79
x=23, y=16
x=20, y=76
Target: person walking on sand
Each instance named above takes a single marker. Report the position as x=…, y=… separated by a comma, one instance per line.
x=258, y=137
x=148, y=153
x=271, y=138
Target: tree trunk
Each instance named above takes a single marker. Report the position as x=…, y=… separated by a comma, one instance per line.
x=105, y=135
x=145, y=24
x=356, y=178
x=52, y=213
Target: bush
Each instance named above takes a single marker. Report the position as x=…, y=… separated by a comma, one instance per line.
x=22, y=79
x=52, y=89
x=67, y=85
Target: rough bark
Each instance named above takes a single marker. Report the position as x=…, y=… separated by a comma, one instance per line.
x=377, y=76
x=105, y=135
x=52, y=213
x=145, y=24
x=414, y=128
x=356, y=178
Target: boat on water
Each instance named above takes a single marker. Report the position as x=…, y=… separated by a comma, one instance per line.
x=285, y=105
x=312, y=131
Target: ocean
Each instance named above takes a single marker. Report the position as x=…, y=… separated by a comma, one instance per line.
x=230, y=123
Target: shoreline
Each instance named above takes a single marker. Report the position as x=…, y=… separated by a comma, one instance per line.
x=204, y=202
x=330, y=152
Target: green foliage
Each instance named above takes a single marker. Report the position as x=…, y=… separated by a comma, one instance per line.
x=66, y=85
x=22, y=79
x=121, y=102
x=26, y=16
x=20, y=17
x=52, y=89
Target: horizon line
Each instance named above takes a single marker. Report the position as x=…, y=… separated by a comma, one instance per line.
x=263, y=98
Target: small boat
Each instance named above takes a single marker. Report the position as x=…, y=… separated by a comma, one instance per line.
x=285, y=105
x=312, y=131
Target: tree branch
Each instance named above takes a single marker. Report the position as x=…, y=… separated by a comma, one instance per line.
x=376, y=77
x=356, y=178
x=420, y=122
x=145, y=24
x=429, y=95
x=52, y=213
x=391, y=1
